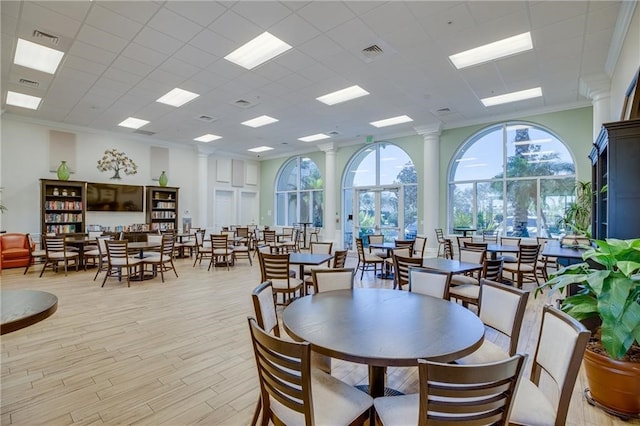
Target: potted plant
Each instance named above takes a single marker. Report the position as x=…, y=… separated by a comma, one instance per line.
x=577, y=215
x=608, y=302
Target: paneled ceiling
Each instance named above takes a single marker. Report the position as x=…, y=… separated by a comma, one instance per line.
x=121, y=56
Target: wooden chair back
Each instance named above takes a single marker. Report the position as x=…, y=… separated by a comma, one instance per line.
x=332, y=279
x=528, y=254
x=264, y=307
x=321, y=248
x=54, y=244
x=510, y=241
x=468, y=394
x=401, y=269
x=340, y=258
x=420, y=243
x=284, y=374
x=502, y=308
x=269, y=236
x=429, y=282
x=405, y=244
x=440, y=235
x=274, y=266
x=220, y=242
x=490, y=236
x=470, y=245
x=470, y=255
x=492, y=270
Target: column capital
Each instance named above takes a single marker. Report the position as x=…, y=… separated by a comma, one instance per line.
x=327, y=147
x=429, y=129
x=595, y=86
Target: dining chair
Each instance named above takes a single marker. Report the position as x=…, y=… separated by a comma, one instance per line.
x=119, y=262
x=366, y=261
x=429, y=282
x=270, y=240
x=472, y=245
x=332, y=279
x=575, y=240
x=466, y=287
x=442, y=243
x=316, y=248
x=377, y=239
x=340, y=258
x=419, y=245
x=163, y=260
x=202, y=251
x=275, y=268
x=490, y=236
x=510, y=241
x=401, y=265
x=501, y=308
x=220, y=251
x=291, y=392
x=450, y=394
x=526, y=265
x=546, y=262
x=461, y=241
x=93, y=254
x=292, y=244
x=545, y=397
x=34, y=253
x=102, y=258
x=56, y=251
x=315, y=234
x=242, y=246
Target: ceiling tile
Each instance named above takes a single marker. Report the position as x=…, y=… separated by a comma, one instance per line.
x=263, y=14
x=325, y=16
x=235, y=28
x=144, y=55
x=131, y=65
x=157, y=41
x=194, y=56
x=98, y=38
x=174, y=25
x=113, y=23
x=139, y=11
x=546, y=13
x=213, y=43
x=179, y=68
x=200, y=12
x=48, y=21
x=81, y=64
x=91, y=53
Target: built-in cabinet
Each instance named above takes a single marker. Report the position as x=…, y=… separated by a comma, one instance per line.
x=162, y=208
x=62, y=206
x=615, y=160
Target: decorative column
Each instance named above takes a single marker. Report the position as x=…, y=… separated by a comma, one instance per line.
x=598, y=89
x=430, y=182
x=330, y=212
x=201, y=219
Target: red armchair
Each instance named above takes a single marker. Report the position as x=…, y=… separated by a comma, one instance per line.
x=15, y=250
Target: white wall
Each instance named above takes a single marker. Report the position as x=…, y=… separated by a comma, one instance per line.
x=626, y=66
x=25, y=160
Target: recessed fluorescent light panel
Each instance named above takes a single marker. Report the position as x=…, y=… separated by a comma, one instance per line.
x=343, y=95
x=260, y=149
x=496, y=50
x=263, y=120
x=133, y=123
x=391, y=121
x=177, y=97
x=313, y=138
x=23, y=101
x=208, y=138
x=37, y=57
x=536, y=92
x=258, y=51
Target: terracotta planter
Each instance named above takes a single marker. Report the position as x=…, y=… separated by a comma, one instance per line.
x=614, y=384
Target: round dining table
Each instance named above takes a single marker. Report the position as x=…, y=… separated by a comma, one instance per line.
x=383, y=328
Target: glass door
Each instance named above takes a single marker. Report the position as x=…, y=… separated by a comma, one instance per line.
x=377, y=212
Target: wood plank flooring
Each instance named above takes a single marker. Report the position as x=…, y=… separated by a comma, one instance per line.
x=170, y=353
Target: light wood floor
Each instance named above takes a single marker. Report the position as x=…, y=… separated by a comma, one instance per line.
x=163, y=353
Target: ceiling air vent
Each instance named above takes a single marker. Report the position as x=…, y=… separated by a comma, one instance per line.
x=48, y=37
x=242, y=103
x=29, y=83
x=333, y=133
x=372, y=51
x=144, y=132
x=206, y=118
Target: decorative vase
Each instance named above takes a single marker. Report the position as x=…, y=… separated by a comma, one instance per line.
x=163, y=179
x=63, y=171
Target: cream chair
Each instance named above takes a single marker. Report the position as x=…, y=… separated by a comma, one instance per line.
x=452, y=394
x=275, y=268
x=526, y=265
x=202, y=251
x=469, y=292
x=221, y=253
x=366, y=260
x=501, y=308
x=561, y=345
x=292, y=393
x=419, y=245
x=119, y=261
x=56, y=252
x=332, y=279
x=163, y=260
x=429, y=282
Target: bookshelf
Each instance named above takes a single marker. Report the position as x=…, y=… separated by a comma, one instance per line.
x=62, y=206
x=615, y=181
x=162, y=208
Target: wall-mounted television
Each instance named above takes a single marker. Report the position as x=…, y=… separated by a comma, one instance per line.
x=110, y=197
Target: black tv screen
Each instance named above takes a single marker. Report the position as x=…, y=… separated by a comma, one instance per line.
x=109, y=197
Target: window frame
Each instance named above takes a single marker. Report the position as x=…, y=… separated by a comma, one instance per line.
x=300, y=194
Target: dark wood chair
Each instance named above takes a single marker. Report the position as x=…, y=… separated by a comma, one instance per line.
x=367, y=261
x=401, y=267
x=275, y=268
x=162, y=261
x=501, y=308
x=220, y=251
x=453, y=394
x=119, y=261
x=291, y=394
x=526, y=265
x=56, y=252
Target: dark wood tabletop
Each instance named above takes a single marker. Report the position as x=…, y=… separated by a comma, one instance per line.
x=464, y=230
x=22, y=308
x=382, y=327
x=449, y=265
x=302, y=259
x=557, y=250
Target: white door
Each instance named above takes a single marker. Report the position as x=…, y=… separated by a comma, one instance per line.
x=223, y=211
x=249, y=210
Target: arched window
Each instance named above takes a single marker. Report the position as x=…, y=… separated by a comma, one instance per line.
x=299, y=193
x=516, y=178
x=380, y=193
